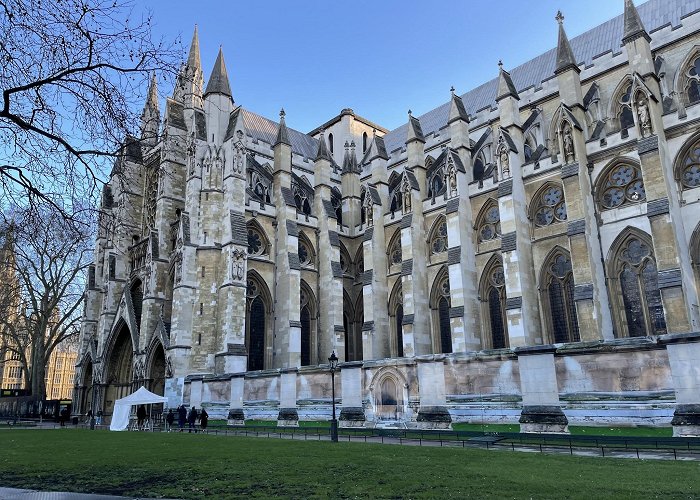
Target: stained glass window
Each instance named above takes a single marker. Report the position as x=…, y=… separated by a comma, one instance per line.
x=256, y=343
x=560, y=292
x=438, y=238
x=496, y=299
x=489, y=227
x=550, y=206
x=622, y=185
x=693, y=85
x=690, y=177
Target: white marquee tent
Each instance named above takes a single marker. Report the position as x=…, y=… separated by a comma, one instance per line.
x=122, y=407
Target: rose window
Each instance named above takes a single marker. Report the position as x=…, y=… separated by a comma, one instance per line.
x=623, y=185
x=551, y=207
x=490, y=227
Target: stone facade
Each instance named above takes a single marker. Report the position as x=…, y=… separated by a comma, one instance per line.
x=515, y=254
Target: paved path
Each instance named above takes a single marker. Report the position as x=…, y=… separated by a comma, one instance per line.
x=17, y=494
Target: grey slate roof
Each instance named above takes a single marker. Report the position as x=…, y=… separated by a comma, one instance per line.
x=601, y=39
x=606, y=37
x=218, y=81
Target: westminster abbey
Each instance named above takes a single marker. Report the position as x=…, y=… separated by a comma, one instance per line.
x=527, y=252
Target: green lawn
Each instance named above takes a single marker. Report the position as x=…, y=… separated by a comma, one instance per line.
x=204, y=466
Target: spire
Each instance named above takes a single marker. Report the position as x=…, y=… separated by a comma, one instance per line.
x=322, y=152
x=282, y=133
x=377, y=149
x=457, y=109
x=349, y=160
x=565, y=56
x=194, y=60
x=633, y=24
x=150, y=116
x=415, y=132
x=505, y=84
x=218, y=81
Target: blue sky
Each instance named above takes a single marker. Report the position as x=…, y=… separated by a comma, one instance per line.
x=380, y=58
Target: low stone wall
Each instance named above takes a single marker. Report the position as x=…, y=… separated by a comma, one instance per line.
x=622, y=382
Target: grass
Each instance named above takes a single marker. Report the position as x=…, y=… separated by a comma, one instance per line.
x=204, y=466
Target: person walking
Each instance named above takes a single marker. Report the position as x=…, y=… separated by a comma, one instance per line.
x=169, y=419
x=203, y=419
x=181, y=417
x=192, y=418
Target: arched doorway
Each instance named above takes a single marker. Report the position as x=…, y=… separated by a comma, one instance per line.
x=156, y=372
x=120, y=370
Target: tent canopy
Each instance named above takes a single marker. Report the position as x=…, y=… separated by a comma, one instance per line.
x=122, y=407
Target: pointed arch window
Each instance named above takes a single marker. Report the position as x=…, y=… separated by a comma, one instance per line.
x=690, y=166
x=364, y=142
x=621, y=184
x=331, y=144
x=624, y=108
x=396, y=311
x=558, y=294
x=257, y=309
x=440, y=304
x=395, y=254
x=438, y=237
x=692, y=86
x=493, y=296
x=488, y=224
x=257, y=243
x=638, y=295
x=549, y=206
x=307, y=318
x=305, y=251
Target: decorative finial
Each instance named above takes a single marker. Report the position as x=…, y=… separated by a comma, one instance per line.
x=559, y=17
x=282, y=113
x=500, y=64
x=374, y=131
x=452, y=89
x=409, y=112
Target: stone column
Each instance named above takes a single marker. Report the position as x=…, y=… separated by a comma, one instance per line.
x=352, y=413
x=288, y=415
x=541, y=412
x=432, y=413
x=684, y=359
x=235, y=412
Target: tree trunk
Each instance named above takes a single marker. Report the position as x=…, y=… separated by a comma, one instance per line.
x=38, y=368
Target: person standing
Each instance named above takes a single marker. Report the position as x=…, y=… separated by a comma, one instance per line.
x=203, y=419
x=192, y=418
x=169, y=419
x=140, y=416
x=99, y=417
x=181, y=417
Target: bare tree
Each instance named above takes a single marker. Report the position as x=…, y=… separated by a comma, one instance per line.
x=73, y=77
x=45, y=259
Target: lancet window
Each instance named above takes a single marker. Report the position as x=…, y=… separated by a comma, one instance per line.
x=558, y=294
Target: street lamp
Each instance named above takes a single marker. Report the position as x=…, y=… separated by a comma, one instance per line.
x=333, y=362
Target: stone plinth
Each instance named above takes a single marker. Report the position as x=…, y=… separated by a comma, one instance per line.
x=288, y=415
x=432, y=413
x=541, y=411
x=352, y=414
x=684, y=359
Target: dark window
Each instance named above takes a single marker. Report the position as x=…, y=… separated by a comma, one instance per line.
x=330, y=142
x=347, y=337
x=256, y=347
x=364, y=142
x=137, y=301
x=305, y=337
x=694, y=92
x=653, y=297
x=496, y=314
x=399, y=330
x=478, y=170
x=633, y=303
x=445, y=335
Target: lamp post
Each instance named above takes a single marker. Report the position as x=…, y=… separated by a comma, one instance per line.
x=333, y=362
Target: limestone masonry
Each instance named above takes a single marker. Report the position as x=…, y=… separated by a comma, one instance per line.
x=529, y=251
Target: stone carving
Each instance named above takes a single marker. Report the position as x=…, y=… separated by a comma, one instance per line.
x=168, y=367
x=177, y=277
x=568, y=142
x=451, y=179
x=139, y=370
x=643, y=115
x=191, y=150
x=368, y=206
x=406, y=190
x=503, y=158
x=239, y=157
x=238, y=261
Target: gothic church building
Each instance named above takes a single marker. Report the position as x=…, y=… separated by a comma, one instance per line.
x=528, y=251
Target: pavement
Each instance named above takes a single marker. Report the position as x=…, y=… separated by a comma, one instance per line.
x=18, y=494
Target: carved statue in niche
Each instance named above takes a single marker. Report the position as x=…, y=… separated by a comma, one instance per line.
x=369, y=212
x=503, y=158
x=643, y=115
x=177, y=278
x=568, y=143
x=238, y=258
x=191, y=150
x=168, y=367
x=406, y=190
x=451, y=180
x=239, y=157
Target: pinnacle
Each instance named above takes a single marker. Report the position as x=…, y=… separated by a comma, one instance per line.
x=218, y=81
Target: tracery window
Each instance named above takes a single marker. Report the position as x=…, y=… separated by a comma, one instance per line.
x=396, y=310
x=558, y=290
x=307, y=308
x=493, y=296
x=635, y=268
x=305, y=253
x=256, y=242
x=395, y=256
x=255, y=325
x=150, y=197
x=692, y=87
x=438, y=237
x=489, y=224
x=624, y=113
x=621, y=185
x=690, y=174
x=441, y=306
x=550, y=206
